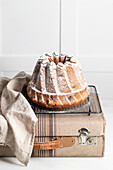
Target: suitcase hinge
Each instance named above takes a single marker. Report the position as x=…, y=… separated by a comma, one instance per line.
x=84, y=139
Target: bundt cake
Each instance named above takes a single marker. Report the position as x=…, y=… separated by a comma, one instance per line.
x=57, y=82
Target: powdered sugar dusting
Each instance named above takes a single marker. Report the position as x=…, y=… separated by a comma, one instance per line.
x=57, y=78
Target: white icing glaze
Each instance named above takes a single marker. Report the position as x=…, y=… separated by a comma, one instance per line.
x=58, y=93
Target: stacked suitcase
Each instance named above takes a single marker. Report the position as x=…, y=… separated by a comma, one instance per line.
x=72, y=132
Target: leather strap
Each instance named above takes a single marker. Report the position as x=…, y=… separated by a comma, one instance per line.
x=47, y=145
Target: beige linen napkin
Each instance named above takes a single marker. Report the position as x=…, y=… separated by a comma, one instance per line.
x=17, y=119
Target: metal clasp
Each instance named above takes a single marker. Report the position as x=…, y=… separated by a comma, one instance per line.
x=84, y=139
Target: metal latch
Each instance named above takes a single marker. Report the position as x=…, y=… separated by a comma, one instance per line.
x=84, y=139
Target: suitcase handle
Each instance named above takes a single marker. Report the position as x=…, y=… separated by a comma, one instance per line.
x=57, y=142
x=47, y=145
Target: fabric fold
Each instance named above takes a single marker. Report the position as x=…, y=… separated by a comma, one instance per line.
x=17, y=117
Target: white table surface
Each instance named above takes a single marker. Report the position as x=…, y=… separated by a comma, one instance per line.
x=72, y=163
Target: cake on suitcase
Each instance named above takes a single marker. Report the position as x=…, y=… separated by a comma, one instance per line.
x=70, y=119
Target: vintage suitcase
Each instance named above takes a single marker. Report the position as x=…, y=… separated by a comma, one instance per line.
x=73, y=132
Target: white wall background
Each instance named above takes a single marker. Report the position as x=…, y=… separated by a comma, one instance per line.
x=30, y=28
